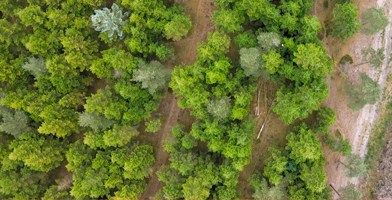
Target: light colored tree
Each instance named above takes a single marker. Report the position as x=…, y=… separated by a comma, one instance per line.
x=354, y=166
x=110, y=21
x=151, y=75
x=349, y=192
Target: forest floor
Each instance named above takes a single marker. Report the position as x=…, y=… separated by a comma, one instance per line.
x=200, y=12
x=353, y=125
x=356, y=126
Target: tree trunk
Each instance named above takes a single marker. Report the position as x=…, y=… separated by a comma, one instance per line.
x=345, y=164
x=330, y=185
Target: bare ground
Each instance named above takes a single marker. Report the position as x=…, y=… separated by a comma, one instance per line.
x=200, y=12
x=355, y=126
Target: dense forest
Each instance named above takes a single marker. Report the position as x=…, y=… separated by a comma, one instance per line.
x=77, y=78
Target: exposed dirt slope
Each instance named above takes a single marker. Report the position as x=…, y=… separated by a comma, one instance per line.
x=353, y=125
x=200, y=12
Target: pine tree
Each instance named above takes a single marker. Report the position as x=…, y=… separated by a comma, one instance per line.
x=36, y=66
x=95, y=121
x=110, y=21
x=151, y=75
x=14, y=122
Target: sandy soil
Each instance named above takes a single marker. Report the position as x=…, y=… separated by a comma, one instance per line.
x=200, y=12
x=353, y=125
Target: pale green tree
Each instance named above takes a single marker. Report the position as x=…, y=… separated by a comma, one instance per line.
x=151, y=75
x=110, y=21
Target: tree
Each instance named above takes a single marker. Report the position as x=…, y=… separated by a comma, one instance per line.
x=264, y=191
x=36, y=66
x=313, y=176
x=372, y=57
x=95, y=121
x=251, y=61
x=325, y=118
x=164, y=52
x=368, y=92
x=354, y=166
x=177, y=27
x=344, y=23
x=220, y=108
x=217, y=46
x=15, y=122
x=247, y=39
x=119, y=136
x=32, y=15
x=138, y=166
x=229, y=20
x=38, y=152
x=110, y=21
x=275, y=165
x=373, y=20
x=273, y=61
x=312, y=61
x=269, y=41
x=298, y=102
x=151, y=76
x=153, y=125
x=338, y=144
x=349, y=192
x=303, y=144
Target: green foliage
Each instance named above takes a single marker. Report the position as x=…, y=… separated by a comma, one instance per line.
x=373, y=57
x=110, y=21
x=269, y=41
x=228, y=20
x=354, y=166
x=220, y=108
x=325, y=118
x=151, y=76
x=15, y=122
x=264, y=191
x=97, y=173
x=153, y=125
x=177, y=27
x=38, y=152
x=345, y=24
x=251, y=61
x=349, y=192
x=95, y=121
x=246, y=39
x=373, y=20
x=164, y=52
x=36, y=66
x=368, y=92
x=55, y=193
x=338, y=144
x=275, y=165
x=303, y=144
x=138, y=166
x=313, y=176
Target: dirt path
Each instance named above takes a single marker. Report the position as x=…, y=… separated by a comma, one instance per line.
x=200, y=12
x=353, y=125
